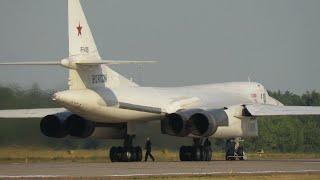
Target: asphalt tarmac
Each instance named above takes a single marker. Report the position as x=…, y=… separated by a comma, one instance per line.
x=58, y=170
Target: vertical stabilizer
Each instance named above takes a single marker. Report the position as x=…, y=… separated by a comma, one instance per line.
x=81, y=42
x=82, y=47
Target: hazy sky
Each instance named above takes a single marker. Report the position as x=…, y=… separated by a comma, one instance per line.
x=275, y=42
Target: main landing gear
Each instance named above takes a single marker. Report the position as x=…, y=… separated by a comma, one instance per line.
x=235, y=150
x=196, y=152
x=127, y=153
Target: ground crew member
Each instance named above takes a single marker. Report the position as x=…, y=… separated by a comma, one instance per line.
x=148, y=150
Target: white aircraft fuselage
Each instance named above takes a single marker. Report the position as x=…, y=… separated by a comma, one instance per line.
x=100, y=104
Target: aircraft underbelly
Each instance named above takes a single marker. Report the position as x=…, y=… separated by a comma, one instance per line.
x=116, y=115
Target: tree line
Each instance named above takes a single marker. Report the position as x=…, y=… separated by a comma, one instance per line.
x=276, y=134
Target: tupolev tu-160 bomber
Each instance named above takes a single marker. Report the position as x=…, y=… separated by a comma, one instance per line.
x=101, y=103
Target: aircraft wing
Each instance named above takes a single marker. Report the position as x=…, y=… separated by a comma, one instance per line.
x=29, y=113
x=271, y=110
x=66, y=62
x=253, y=109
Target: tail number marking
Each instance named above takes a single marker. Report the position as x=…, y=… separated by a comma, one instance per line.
x=98, y=79
x=84, y=50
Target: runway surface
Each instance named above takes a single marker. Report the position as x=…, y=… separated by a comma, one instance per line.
x=15, y=170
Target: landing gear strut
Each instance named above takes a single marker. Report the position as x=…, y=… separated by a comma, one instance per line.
x=127, y=153
x=235, y=150
x=197, y=152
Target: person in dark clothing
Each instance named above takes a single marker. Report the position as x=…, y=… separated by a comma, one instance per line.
x=148, y=150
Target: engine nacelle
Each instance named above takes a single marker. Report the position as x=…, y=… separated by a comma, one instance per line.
x=197, y=122
x=79, y=127
x=178, y=124
x=63, y=124
x=55, y=125
x=205, y=123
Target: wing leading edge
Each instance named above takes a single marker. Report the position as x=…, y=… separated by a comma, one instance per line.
x=271, y=110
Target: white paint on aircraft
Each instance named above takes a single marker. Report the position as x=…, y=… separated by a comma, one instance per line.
x=99, y=94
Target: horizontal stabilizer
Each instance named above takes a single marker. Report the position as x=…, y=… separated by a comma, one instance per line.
x=66, y=62
x=114, y=62
x=33, y=63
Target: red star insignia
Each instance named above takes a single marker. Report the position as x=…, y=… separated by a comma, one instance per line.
x=79, y=28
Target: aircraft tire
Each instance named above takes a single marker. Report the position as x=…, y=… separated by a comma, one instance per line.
x=196, y=153
x=186, y=153
x=124, y=154
x=112, y=154
x=119, y=154
x=189, y=153
x=128, y=155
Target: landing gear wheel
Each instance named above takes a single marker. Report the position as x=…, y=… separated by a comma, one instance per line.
x=196, y=153
x=119, y=154
x=124, y=154
x=127, y=155
x=112, y=154
x=186, y=153
x=200, y=151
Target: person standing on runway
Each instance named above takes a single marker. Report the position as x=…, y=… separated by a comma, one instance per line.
x=148, y=150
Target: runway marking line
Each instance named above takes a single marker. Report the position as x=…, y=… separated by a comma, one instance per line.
x=311, y=162
x=164, y=174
